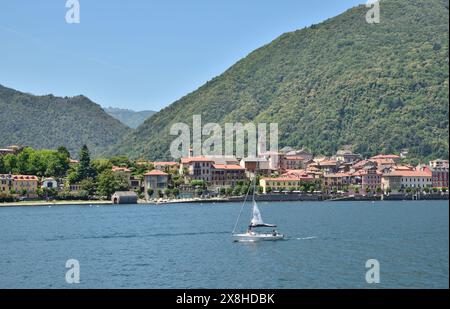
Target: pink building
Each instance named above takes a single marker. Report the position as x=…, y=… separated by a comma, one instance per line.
x=370, y=178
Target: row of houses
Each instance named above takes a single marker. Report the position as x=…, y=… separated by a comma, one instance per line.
x=287, y=171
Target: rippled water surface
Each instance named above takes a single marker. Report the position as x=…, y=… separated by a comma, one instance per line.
x=190, y=246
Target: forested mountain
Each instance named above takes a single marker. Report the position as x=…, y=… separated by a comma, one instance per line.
x=47, y=122
x=129, y=117
x=380, y=87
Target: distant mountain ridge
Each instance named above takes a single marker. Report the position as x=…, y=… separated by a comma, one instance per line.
x=129, y=117
x=47, y=122
x=379, y=87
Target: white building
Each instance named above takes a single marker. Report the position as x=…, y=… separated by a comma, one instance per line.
x=49, y=183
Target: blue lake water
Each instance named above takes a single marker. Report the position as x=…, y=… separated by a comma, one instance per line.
x=190, y=246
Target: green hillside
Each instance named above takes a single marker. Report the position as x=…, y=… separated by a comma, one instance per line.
x=49, y=122
x=129, y=117
x=380, y=87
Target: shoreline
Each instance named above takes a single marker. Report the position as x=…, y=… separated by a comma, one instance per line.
x=273, y=198
x=54, y=203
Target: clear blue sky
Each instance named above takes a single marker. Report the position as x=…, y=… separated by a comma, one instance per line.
x=140, y=54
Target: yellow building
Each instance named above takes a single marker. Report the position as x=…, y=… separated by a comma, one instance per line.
x=25, y=183
x=19, y=184
x=284, y=183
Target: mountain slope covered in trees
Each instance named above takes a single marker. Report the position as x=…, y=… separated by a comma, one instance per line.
x=47, y=122
x=379, y=87
x=129, y=117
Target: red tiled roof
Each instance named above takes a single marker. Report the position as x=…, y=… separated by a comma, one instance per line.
x=291, y=178
x=297, y=158
x=361, y=163
x=338, y=175
x=296, y=173
x=327, y=163
x=381, y=156
x=165, y=163
x=403, y=168
x=195, y=159
x=228, y=167
x=312, y=168
x=24, y=177
x=383, y=161
x=366, y=172
x=405, y=173
x=120, y=169
x=156, y=173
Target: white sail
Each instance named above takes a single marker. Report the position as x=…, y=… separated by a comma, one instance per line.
x=257, y=219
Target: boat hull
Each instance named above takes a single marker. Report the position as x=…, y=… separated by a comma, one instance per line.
x=254, y=237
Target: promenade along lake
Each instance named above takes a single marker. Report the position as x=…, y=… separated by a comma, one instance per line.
x=190, y=246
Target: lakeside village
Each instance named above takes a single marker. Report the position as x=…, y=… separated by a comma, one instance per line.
x=51, y=175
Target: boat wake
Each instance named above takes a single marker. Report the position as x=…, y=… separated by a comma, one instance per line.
x=307, y=238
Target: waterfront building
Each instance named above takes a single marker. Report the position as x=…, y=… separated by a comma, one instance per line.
x=27, y=184
x=370, y=178
x=124, y=197
x=439, y=177
x=227, y=175
x=419, y=179
x=283, y=183
x=337, y=181
x=291, y=180
x=197, y=168
x=391, y=181
x=157, y=181
x=439, y=170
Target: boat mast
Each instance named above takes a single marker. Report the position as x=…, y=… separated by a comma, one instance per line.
x=246, y=197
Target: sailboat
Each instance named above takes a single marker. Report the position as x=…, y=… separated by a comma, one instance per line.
x=256, y=222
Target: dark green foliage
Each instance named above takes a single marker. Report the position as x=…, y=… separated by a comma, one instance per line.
x=35, y=162
x=85, y=169
x=380, y=87
x=109, y=182
x=47, y=122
